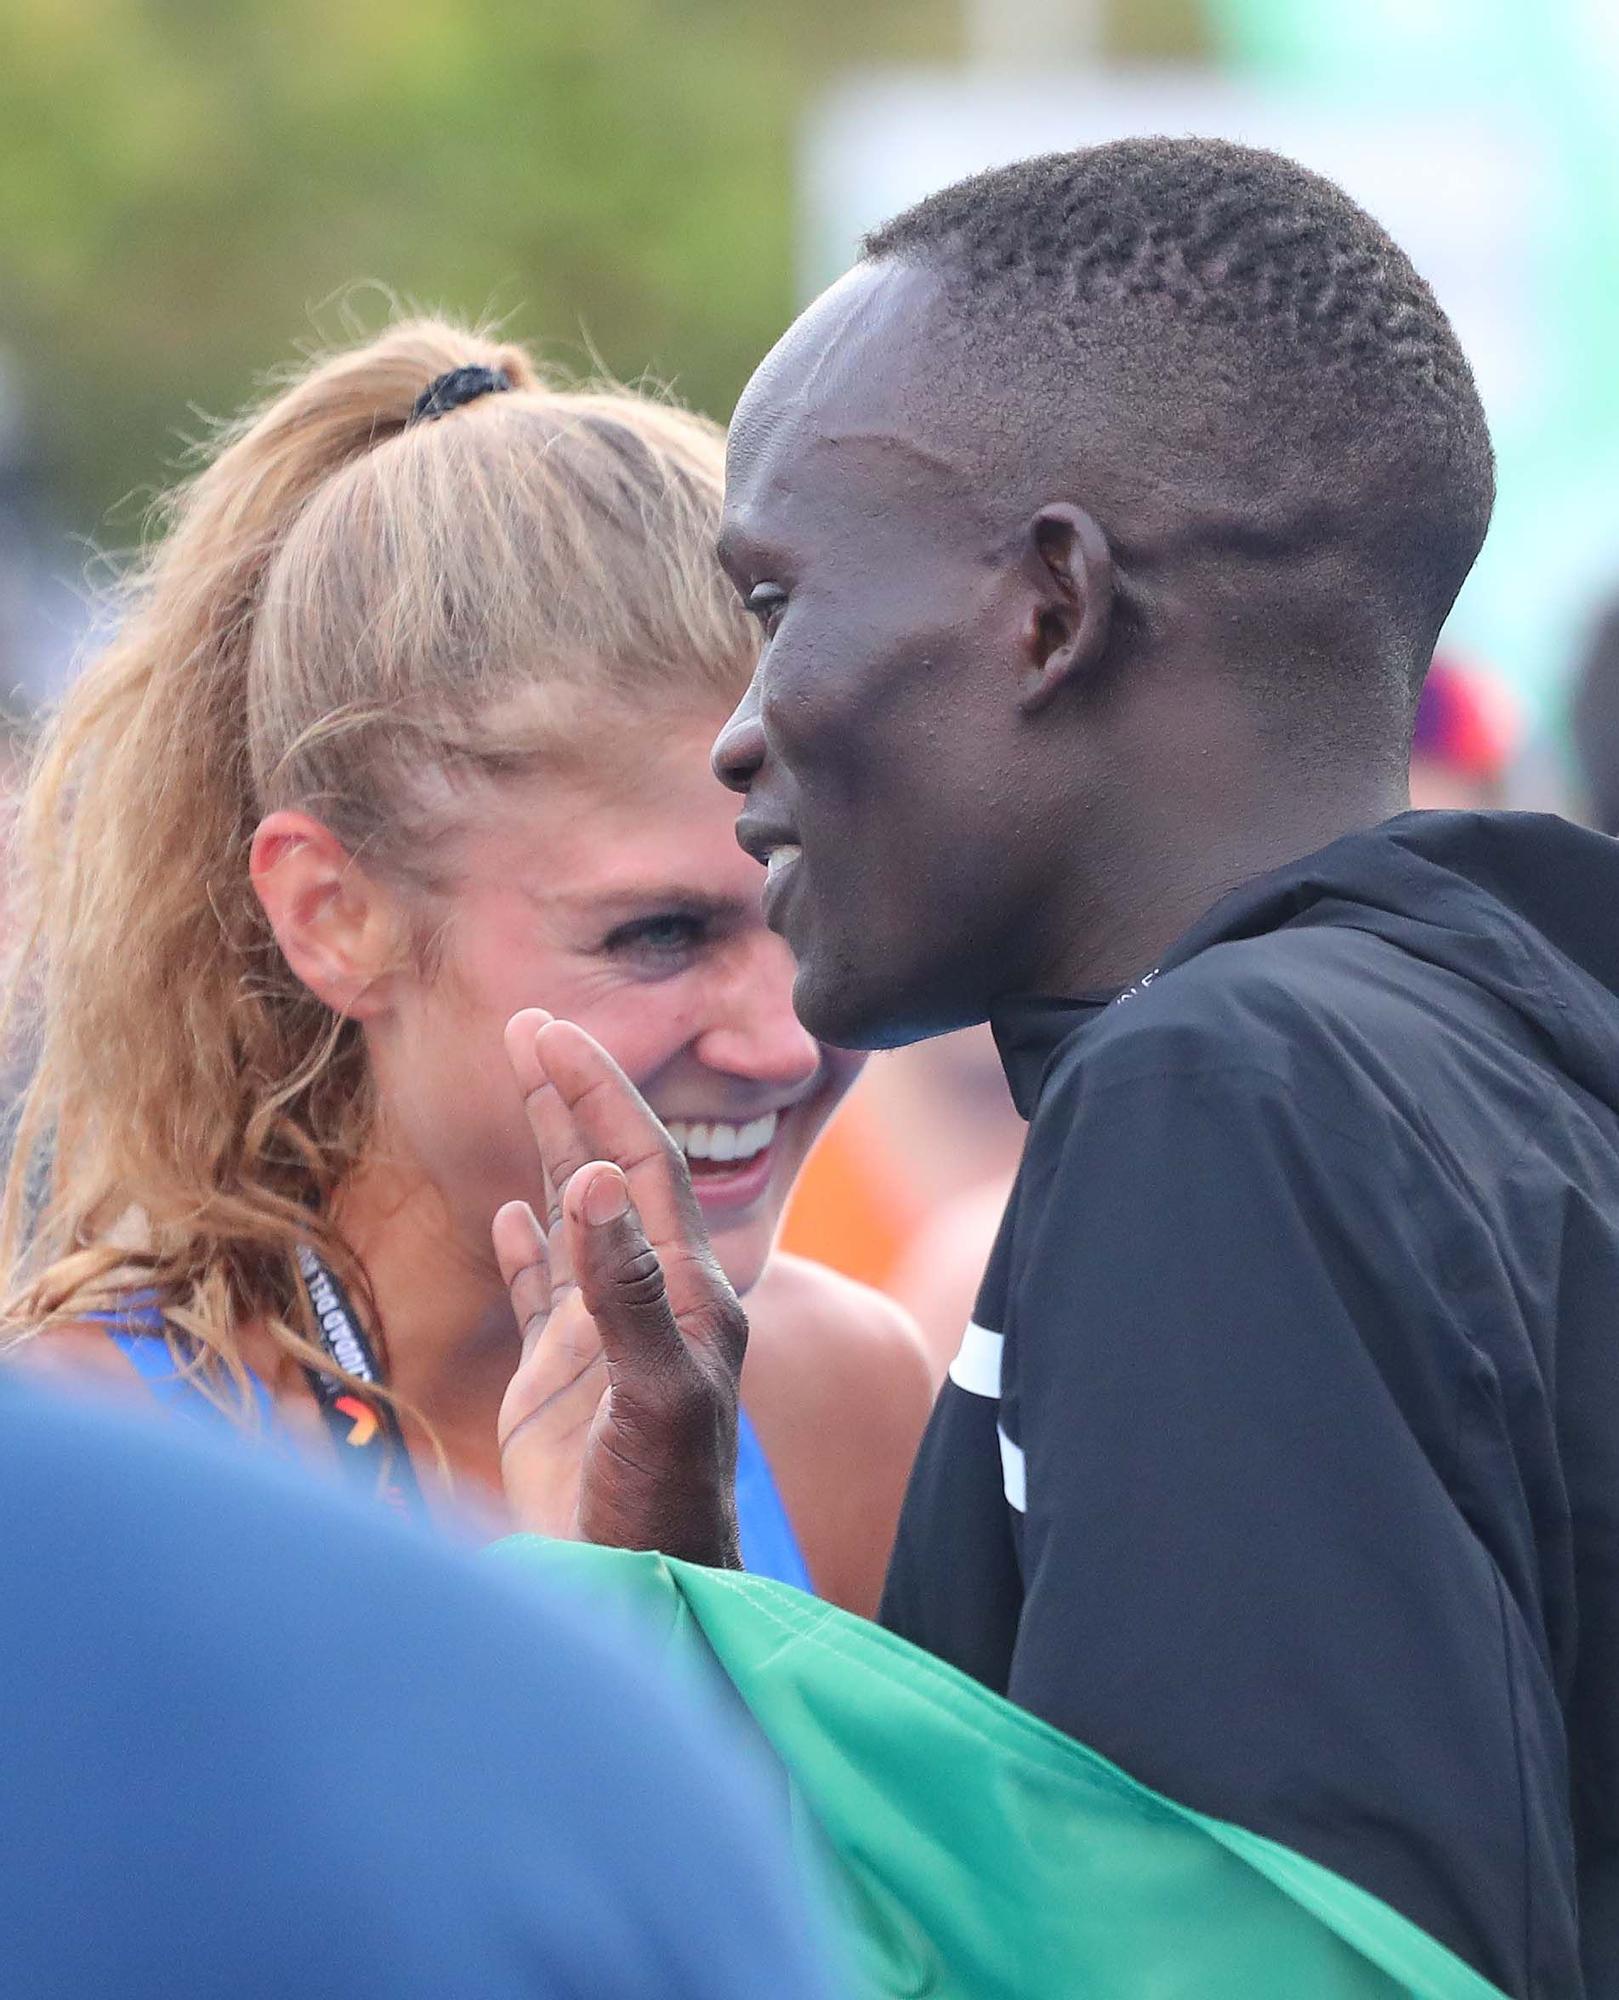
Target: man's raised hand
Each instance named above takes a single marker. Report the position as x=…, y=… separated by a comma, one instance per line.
x=620, y=1423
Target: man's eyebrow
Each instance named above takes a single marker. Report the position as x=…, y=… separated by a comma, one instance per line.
x=746, y=554
x=730, y=547
x=900, y=443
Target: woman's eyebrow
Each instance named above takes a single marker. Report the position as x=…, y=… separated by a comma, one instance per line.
x=637, y=899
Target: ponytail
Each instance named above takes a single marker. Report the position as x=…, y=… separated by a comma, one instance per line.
x=200, y=1106
x=347, y=609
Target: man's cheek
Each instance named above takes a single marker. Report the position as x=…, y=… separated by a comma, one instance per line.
x=844, y=695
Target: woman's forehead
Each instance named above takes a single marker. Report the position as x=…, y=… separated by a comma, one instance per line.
x=621, y=826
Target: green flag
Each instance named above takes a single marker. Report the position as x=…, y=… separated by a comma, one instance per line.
x=973, y=1851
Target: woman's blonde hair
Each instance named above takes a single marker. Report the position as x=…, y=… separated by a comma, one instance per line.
x=361, y=616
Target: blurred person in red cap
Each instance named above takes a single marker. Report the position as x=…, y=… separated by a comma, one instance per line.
x=1465, y=736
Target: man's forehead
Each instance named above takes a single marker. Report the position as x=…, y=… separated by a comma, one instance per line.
x=841, y=398
x=859, y=335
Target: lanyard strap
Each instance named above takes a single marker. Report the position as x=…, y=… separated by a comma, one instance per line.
x=366, y=1431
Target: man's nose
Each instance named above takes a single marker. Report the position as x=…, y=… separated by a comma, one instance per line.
x=739, y=749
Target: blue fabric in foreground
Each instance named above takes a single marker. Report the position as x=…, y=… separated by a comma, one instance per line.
x=269, y=1741
x=769, y=1546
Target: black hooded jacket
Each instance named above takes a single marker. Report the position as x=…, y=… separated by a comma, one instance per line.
x=1281, y=1464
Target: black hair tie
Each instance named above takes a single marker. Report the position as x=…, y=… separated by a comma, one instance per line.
x=459, y=385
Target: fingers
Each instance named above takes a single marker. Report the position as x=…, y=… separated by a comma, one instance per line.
x=658, y=1469
x=521, y=1030
x=607, y=1119
x=622, y=1282
x=562, y=1150
x=525, y=1267
x=608, y=1116
x=630, y=1280
x=581, y=1108
x=553, y=1134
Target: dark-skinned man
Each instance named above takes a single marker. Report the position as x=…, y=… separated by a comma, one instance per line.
x=1100, y=525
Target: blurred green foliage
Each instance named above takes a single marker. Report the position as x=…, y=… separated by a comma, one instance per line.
x=189, y=188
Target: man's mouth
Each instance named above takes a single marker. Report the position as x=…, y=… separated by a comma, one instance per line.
x=764, y=839
x=781, y=867
x=730, y=1163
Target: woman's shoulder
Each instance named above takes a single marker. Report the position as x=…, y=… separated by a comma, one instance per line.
x=74, y=1352
x=824, y=1321
x=127, y=1353
x=838, y=1385
x=838, y=1355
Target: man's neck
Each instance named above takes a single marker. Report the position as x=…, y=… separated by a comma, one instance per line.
x=1177, y=861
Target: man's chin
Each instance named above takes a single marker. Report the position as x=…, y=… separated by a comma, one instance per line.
x=849, y=1011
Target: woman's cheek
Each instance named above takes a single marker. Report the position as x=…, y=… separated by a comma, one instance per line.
x=744, y=1249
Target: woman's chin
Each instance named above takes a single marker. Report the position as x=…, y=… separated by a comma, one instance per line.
x=743, y=1249
x=743, y=1206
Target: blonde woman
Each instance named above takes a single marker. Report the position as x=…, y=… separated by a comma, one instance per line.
x=406, y=730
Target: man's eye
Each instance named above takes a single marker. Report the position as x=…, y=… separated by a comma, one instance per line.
x=766, y=602
x=663, y=940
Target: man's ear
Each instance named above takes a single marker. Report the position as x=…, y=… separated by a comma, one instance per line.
x=338, y=929
x=1067, y=632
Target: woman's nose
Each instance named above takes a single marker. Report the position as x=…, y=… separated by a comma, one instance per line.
x=753, y=1031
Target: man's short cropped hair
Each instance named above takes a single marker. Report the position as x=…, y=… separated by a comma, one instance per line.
x=1249, y=309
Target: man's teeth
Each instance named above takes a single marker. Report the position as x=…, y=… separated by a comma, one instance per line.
x=780, y=856
x=728, y=1143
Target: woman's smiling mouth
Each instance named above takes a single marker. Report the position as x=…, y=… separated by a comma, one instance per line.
x=730, y=1163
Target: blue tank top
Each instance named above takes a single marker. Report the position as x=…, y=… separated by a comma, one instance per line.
x=769, y=1545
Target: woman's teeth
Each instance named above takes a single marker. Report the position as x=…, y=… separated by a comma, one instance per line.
x=724, y=1144
x=780, y=856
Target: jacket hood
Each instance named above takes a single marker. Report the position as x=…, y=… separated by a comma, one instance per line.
x=1525, y=905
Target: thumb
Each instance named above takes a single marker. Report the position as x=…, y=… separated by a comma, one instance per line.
x=621, y=1280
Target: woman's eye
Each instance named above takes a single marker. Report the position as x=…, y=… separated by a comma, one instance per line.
x=663, y=940
x=766, y=602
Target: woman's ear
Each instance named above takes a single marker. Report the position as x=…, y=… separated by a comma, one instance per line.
x=1067, y=632
x=338, y=929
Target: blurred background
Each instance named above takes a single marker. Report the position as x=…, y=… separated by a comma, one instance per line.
x=190, y=189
